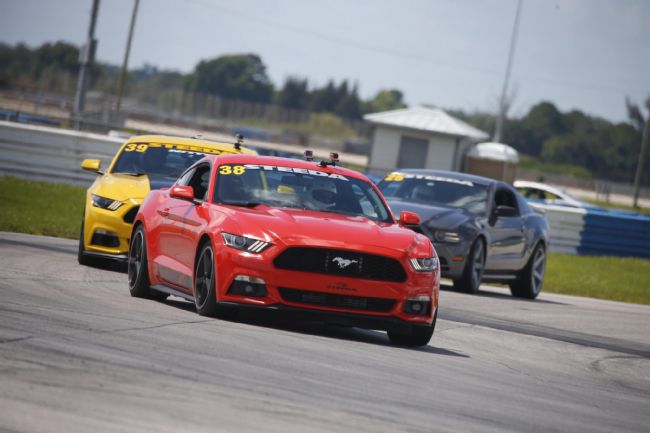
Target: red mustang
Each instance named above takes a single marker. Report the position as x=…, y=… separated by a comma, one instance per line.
x=286, y=234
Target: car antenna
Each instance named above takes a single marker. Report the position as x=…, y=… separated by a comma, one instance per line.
x=334, y=159
x=239, y=142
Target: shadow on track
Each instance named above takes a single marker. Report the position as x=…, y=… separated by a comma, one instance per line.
x=284, y=322
x=484, y=294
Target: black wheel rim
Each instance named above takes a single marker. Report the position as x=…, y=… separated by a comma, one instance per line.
x=537, y=274
x=204, y=276
x=477, y=265
x=135, y=258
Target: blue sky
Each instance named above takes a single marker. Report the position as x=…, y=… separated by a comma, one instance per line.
x=584, y=54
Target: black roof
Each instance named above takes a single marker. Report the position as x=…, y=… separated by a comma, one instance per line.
x=450, y=174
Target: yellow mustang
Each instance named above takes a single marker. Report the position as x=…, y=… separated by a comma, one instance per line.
x=143, y=163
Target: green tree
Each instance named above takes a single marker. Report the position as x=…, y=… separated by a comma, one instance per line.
x=240, y=76
x=348, y=105
x=385, y=100
x=294, y=94
x=542, y=122
x=325, y=98
x=60, y=55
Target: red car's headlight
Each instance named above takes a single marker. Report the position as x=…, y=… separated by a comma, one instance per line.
x=427, y=264
x=243, y=243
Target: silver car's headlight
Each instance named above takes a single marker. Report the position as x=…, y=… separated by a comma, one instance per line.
x=106, y=203
x=427, y=264
x=243, y=243
x=447, y=236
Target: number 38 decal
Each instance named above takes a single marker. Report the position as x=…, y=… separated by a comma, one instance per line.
x=232, y=169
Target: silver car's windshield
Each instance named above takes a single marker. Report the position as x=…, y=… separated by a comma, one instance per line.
x=436, y=191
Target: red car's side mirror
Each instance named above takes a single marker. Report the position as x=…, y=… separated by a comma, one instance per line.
x=407, y=218
x=182, y=192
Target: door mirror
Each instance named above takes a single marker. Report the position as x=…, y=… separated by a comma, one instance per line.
x=505, y=211
x=91, y=165
x=407, y=218
x=182, y=192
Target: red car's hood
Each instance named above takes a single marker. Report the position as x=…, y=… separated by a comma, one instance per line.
x=311, y=228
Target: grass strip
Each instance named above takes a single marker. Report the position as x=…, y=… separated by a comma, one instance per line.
x=40, y=208
x=613, y=278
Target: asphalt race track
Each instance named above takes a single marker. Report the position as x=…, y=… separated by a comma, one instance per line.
x=78, y=354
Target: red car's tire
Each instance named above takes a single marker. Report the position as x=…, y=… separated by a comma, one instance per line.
x=205, y=274
x=419, y=335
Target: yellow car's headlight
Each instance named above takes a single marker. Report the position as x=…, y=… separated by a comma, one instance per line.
x=106, y=203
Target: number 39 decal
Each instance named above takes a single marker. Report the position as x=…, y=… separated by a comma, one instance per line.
x=133, y=147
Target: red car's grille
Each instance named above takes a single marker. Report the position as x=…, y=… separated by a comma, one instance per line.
x=336, y=301
x=341, y=262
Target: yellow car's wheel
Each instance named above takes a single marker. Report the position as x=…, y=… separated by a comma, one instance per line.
x=82, y=257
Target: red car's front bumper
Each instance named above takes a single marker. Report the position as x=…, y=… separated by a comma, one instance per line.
x=340, y=299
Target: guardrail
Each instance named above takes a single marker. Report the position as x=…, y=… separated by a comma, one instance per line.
x=44, y=153
x=599, y=232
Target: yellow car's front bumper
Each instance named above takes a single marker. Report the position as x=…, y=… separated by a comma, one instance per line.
x=106, y=232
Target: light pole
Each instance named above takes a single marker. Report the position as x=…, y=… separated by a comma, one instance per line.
x=498, y=131
x=639, y=166
x=125, y=63
x=86, y=58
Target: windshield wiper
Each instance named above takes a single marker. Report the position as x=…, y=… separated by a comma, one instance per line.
x=131, y=173
x=242, y=203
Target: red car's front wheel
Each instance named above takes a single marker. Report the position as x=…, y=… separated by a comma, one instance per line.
x=419, y=335
x=205, y=296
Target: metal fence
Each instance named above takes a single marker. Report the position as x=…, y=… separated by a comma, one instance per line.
x=262, y=121
x=44, y=153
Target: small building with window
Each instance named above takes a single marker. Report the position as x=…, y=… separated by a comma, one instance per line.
x=420, y=137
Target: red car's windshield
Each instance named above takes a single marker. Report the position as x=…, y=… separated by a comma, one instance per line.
x=276, y=186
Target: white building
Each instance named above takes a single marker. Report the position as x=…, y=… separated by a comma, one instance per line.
x=420, y=137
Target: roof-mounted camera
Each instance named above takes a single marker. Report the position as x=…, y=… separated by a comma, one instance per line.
x=309, y=155
x=239, y=142
x=334, y=159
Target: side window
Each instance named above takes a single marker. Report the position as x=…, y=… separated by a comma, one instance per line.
x=505, y=197
x=185, y=178
x=200, y=180
x=524, y=209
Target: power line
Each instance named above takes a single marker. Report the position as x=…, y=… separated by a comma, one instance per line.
x=336, y=39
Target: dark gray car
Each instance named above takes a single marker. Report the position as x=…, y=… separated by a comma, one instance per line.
x=482, y=229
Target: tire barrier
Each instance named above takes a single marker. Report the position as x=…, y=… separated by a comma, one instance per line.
x=597, y=232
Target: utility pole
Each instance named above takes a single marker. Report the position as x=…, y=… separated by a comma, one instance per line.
x=125, y=64
x=639, y=166
x=502, y=101
x=86, y=58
